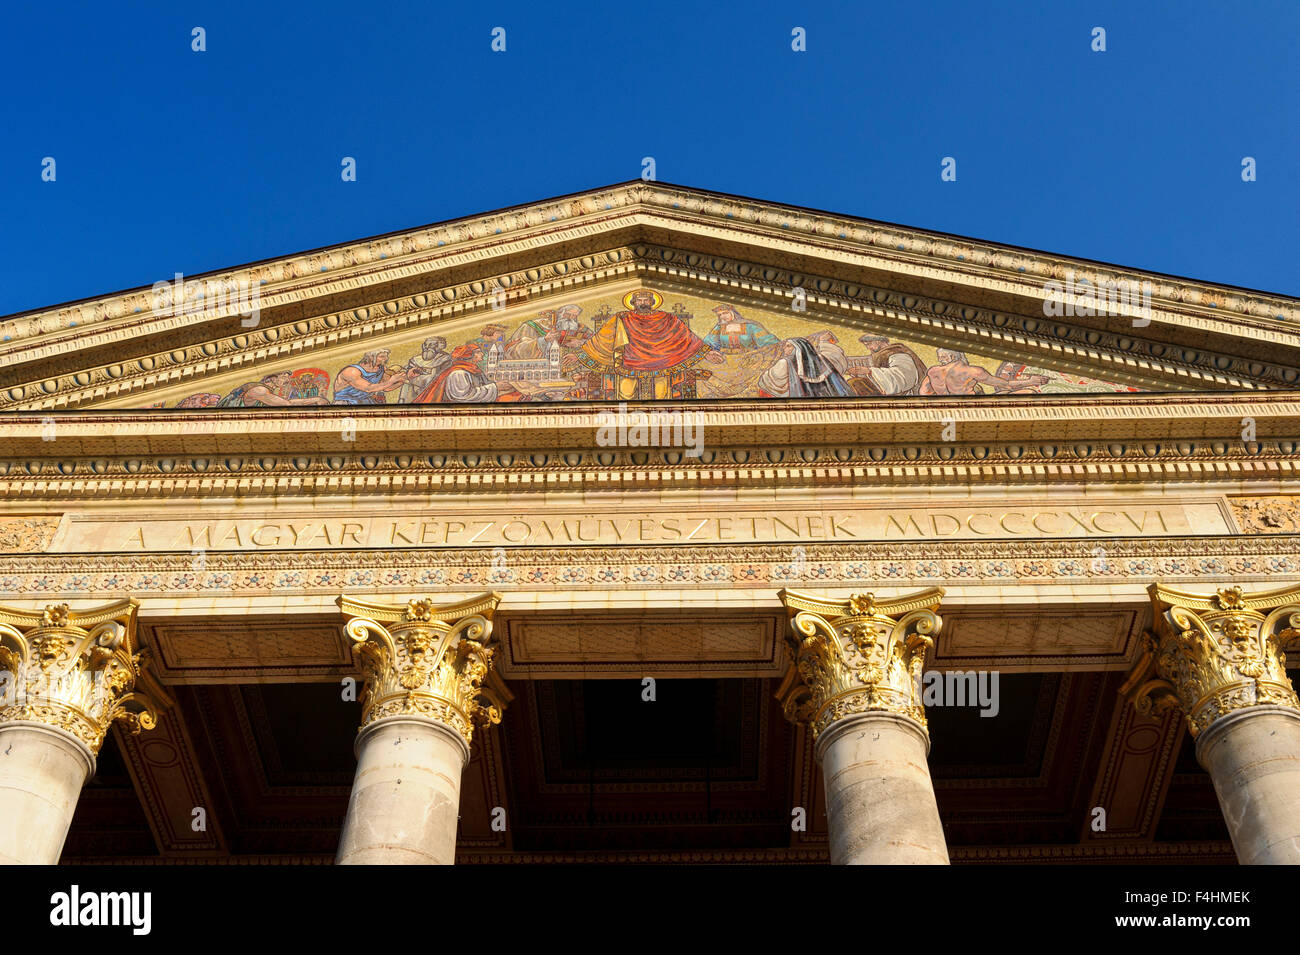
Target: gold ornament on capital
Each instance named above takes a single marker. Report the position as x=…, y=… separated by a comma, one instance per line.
x=858, y=655
x=426, y=660
x=1215, y=654
x=73, y=670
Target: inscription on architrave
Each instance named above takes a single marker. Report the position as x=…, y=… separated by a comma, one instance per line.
x=649, y=526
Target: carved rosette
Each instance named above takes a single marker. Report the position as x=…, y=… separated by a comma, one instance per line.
x=857, y=656
x=423, y=660
x=1212, y=655
x=73, y=670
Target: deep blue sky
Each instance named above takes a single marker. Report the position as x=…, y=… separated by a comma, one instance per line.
x=170, y=160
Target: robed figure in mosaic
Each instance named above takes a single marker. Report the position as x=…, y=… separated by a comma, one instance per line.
x=643, y=352
x=463, y=380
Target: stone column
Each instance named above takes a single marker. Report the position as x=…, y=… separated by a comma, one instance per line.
x=1218, y=658
x=429, y=680
x=65, y=676
x=856, y=682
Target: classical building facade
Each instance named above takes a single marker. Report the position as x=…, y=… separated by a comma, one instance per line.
x=652, y=524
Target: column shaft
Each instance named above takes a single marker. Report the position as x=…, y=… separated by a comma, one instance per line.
x=406, y=796
x=880, y=803
x=42, y=770
x=1253, y=756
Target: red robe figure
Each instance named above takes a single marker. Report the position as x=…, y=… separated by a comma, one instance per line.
x=643, y=352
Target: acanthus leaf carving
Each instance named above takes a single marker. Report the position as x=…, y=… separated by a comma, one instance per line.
x=426, y=660
x=74, y=670
x=856, y=656
x=1216, y=654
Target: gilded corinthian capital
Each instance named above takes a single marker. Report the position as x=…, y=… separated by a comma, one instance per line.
x=857, y=655
x=73, y=669
x=1213, y=654
x=424, y=660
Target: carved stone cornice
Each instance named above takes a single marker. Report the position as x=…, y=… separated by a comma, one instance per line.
x=1002, y=440
x=857, y=656
x=73, y=670
x=908, y=465
x=425, y=660
x=1215, y=654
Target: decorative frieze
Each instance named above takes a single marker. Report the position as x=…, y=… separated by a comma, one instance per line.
x=73, y=670
x=714, y=566
x=27, y=535
x=1271, y=514
x=1215, y=654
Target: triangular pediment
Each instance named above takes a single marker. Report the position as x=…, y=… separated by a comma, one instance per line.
x=748, y=300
